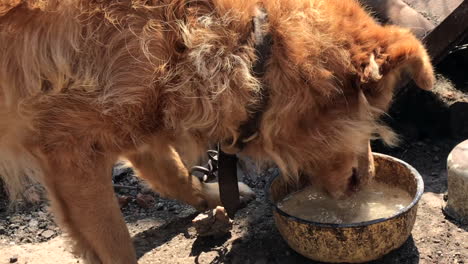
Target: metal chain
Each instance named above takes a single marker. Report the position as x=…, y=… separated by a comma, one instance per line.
x=210, y=170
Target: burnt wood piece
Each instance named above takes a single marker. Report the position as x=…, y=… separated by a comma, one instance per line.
x=448, y=34
x=440, y=41
x=399, y=13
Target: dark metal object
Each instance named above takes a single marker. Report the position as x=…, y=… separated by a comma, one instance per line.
x=227, y=180
x=225, y=165
x=222, y=164
x=442, y=40
x=210, y=170
x=448, y=34
x=263, y=44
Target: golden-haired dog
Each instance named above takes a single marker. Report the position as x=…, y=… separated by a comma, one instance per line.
x=84, y=82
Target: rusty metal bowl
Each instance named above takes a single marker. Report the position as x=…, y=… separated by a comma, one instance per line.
x=356, y=242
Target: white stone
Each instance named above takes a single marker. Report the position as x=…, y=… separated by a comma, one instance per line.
x=457, y=165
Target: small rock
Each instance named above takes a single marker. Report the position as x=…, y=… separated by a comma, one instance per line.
x=48, y=234
x=16, y=219
x=32, y=229
x=14, y=259
x=436, y=241
x=208, y=257
x=120, y=171
x=435, y=149
x=144, y=200
x=133, y=180
x=160, y=206
x=436, y=159
x=41, y=214
x=174, y=208
x=26, y=240
x=33, y=223
x=123, y=200
x=2, y=230
x=420, y=144
x=214, y=223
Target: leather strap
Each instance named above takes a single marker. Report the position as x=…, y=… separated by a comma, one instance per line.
x=221, y=163
x=263, y=44
x=227, y=181
x=227, y=163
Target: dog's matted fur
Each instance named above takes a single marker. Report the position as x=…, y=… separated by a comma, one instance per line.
x=83, y=82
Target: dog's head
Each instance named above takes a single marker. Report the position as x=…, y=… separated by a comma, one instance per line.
x=322, y=114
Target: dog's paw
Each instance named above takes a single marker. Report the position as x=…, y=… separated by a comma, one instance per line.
x=212, y=199
x=246, y=194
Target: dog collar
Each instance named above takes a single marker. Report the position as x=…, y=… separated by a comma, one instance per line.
x=263, y=43
x=227, y=163
x=224, y=164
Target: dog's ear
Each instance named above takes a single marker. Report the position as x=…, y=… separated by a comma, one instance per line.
x=396, y=52
x=407, y=54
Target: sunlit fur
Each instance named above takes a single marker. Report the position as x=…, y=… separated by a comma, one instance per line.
x=159, y=81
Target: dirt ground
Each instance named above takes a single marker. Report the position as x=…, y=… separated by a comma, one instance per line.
x=163, y=233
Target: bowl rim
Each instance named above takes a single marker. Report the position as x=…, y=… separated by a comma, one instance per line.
x=417, y=197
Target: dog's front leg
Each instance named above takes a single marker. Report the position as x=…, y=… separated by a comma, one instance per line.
x=161, y=165
x=84, y=202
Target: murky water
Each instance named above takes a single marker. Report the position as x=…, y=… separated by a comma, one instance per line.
x=377, y=200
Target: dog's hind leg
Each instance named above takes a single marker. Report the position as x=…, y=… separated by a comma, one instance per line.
x=162, y=167
x=84, y=202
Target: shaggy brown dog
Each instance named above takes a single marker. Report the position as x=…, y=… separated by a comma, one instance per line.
x=158, y=81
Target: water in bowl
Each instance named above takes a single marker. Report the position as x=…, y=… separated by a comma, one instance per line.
x=377, y=200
